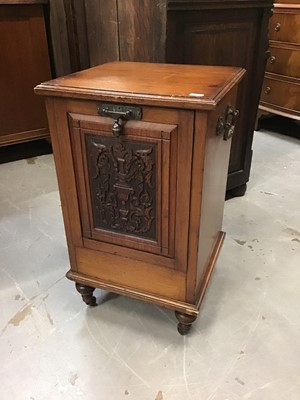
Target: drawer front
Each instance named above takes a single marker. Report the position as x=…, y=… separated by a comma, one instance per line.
x=132, y=189
x=283, y=94
x=285, y=27
x=284, y=61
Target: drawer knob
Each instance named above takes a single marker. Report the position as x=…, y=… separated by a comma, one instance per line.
x=277, y=27
x=267, y=90
x=272, y=59
x=225, y=127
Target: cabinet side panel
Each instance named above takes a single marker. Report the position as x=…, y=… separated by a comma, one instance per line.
x=196, y=196
x=59, y=128
x=22, y=32
x=77, y=34
x=215, y=169
x=59, y=166
x=59, y=38
x=102, y=31
x=142, y=30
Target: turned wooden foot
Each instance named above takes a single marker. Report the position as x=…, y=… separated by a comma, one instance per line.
x=185, y=322
x=86, y=294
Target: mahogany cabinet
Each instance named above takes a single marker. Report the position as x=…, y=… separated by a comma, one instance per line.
x=24, y=63
x=281, y=89
x=141, y=153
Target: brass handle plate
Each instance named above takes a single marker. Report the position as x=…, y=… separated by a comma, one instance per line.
x=120, y=113
x=226, y=126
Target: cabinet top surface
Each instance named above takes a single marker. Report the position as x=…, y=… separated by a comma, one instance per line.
x=170, y=85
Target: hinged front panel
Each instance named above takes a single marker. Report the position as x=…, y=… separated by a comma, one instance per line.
x=124, y=182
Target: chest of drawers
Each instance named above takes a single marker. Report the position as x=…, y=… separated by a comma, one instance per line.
x=281, y=88
x=141, y=153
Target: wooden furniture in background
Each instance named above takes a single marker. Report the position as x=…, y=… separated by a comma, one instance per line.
x=142, y=162
x=225, y=33
x=210, y=32
x=24, y=63
x=281, y=88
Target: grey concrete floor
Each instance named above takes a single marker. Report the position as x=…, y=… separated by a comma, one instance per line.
x=244, y=345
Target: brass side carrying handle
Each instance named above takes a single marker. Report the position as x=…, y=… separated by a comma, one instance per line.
x=226, y=127
x=272, y=59
x=120, y=114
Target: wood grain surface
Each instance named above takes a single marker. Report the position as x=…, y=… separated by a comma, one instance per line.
x=191, y=86
x=105, y=180
x=22, y=32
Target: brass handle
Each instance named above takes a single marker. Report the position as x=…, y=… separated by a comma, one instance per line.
x=116, y=113
x=272, y=59
x=267, y=90
x=277, y=27
x=120, y=113
x=119, y=117
x=226, y=127
x=117, y=127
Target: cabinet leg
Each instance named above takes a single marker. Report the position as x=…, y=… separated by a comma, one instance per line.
x=86, y=294
x=239, y=190
x=185, y=322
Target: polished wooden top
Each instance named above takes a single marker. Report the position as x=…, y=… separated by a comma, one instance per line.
x=189, y=86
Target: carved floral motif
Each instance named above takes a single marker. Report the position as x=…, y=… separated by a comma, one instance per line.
x=122, y=177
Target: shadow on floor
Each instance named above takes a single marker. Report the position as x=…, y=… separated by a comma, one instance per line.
x=282, y=125
x=24, y=150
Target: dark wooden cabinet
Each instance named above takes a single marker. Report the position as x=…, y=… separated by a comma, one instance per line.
x=225, y=33
x=141, y=153
x=209, y=32
x=24, y=63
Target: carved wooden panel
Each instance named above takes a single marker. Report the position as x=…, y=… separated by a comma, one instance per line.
x=124, y=183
